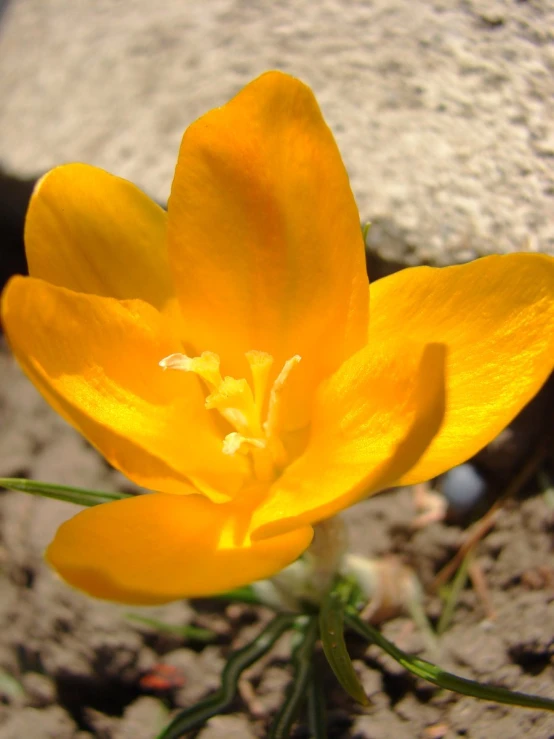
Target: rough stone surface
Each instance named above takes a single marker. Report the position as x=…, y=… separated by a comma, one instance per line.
x=442, y=110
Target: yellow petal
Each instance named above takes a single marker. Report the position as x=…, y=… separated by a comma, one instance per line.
x=496, y=317
x=264, y=236
x=96, y=361
x=156, y=548
x=95, y=233
x=372, y=421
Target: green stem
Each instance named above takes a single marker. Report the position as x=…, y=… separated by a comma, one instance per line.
x=193, y=717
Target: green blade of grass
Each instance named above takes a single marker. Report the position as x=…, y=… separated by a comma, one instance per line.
x=296, y=694
x=193, y=717
x=193, y=633
x=66, y=493
x=442, y=679
x=458, y=584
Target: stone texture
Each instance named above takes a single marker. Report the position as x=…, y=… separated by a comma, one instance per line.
x=442, y=109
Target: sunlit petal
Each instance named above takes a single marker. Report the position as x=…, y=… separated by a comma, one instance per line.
x=264, y=237
x=496, y=317
x=96, y=361
x=373, y=419
x=95, y=233
x=156, y=548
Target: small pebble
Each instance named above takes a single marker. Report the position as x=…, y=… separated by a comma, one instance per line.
x=463, y=487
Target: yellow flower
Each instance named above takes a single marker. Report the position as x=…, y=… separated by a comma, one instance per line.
x=223, y=353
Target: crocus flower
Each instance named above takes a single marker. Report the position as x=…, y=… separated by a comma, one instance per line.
x=228, y=355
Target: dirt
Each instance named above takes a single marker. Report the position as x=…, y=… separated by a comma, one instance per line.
x=83, y=669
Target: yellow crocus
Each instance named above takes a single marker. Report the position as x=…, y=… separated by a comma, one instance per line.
x=227, y=353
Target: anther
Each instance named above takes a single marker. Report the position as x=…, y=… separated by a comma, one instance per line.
x=205, y=366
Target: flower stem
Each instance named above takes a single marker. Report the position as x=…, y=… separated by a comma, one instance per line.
x=326, y=552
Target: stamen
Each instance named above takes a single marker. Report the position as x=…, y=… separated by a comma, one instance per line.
x=260, y=367
x=273, y=422
x=234, y=442
x=234, y=400
x=176, y=361
x=205, y=366
x=243, y=406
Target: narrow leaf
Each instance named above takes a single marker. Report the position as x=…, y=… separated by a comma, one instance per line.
x=79, y=496
x=317, y=713
x=331, y=624
x=302, y=661
x=458, y=584
x=446, y=680
x=193, y=717
x=194, y=633
x=246, y=594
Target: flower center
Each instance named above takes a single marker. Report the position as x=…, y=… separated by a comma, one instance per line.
x=242, y=405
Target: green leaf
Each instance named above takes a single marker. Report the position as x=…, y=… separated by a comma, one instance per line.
x=193, y=717
x=446, y=680
x=79, y=496
x=302, y=661
x=193, y=633
x=245, y=594
x=317, y=713
x=331, y=625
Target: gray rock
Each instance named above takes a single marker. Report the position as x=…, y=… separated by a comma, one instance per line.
x=442, y=110
x=463, y=487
